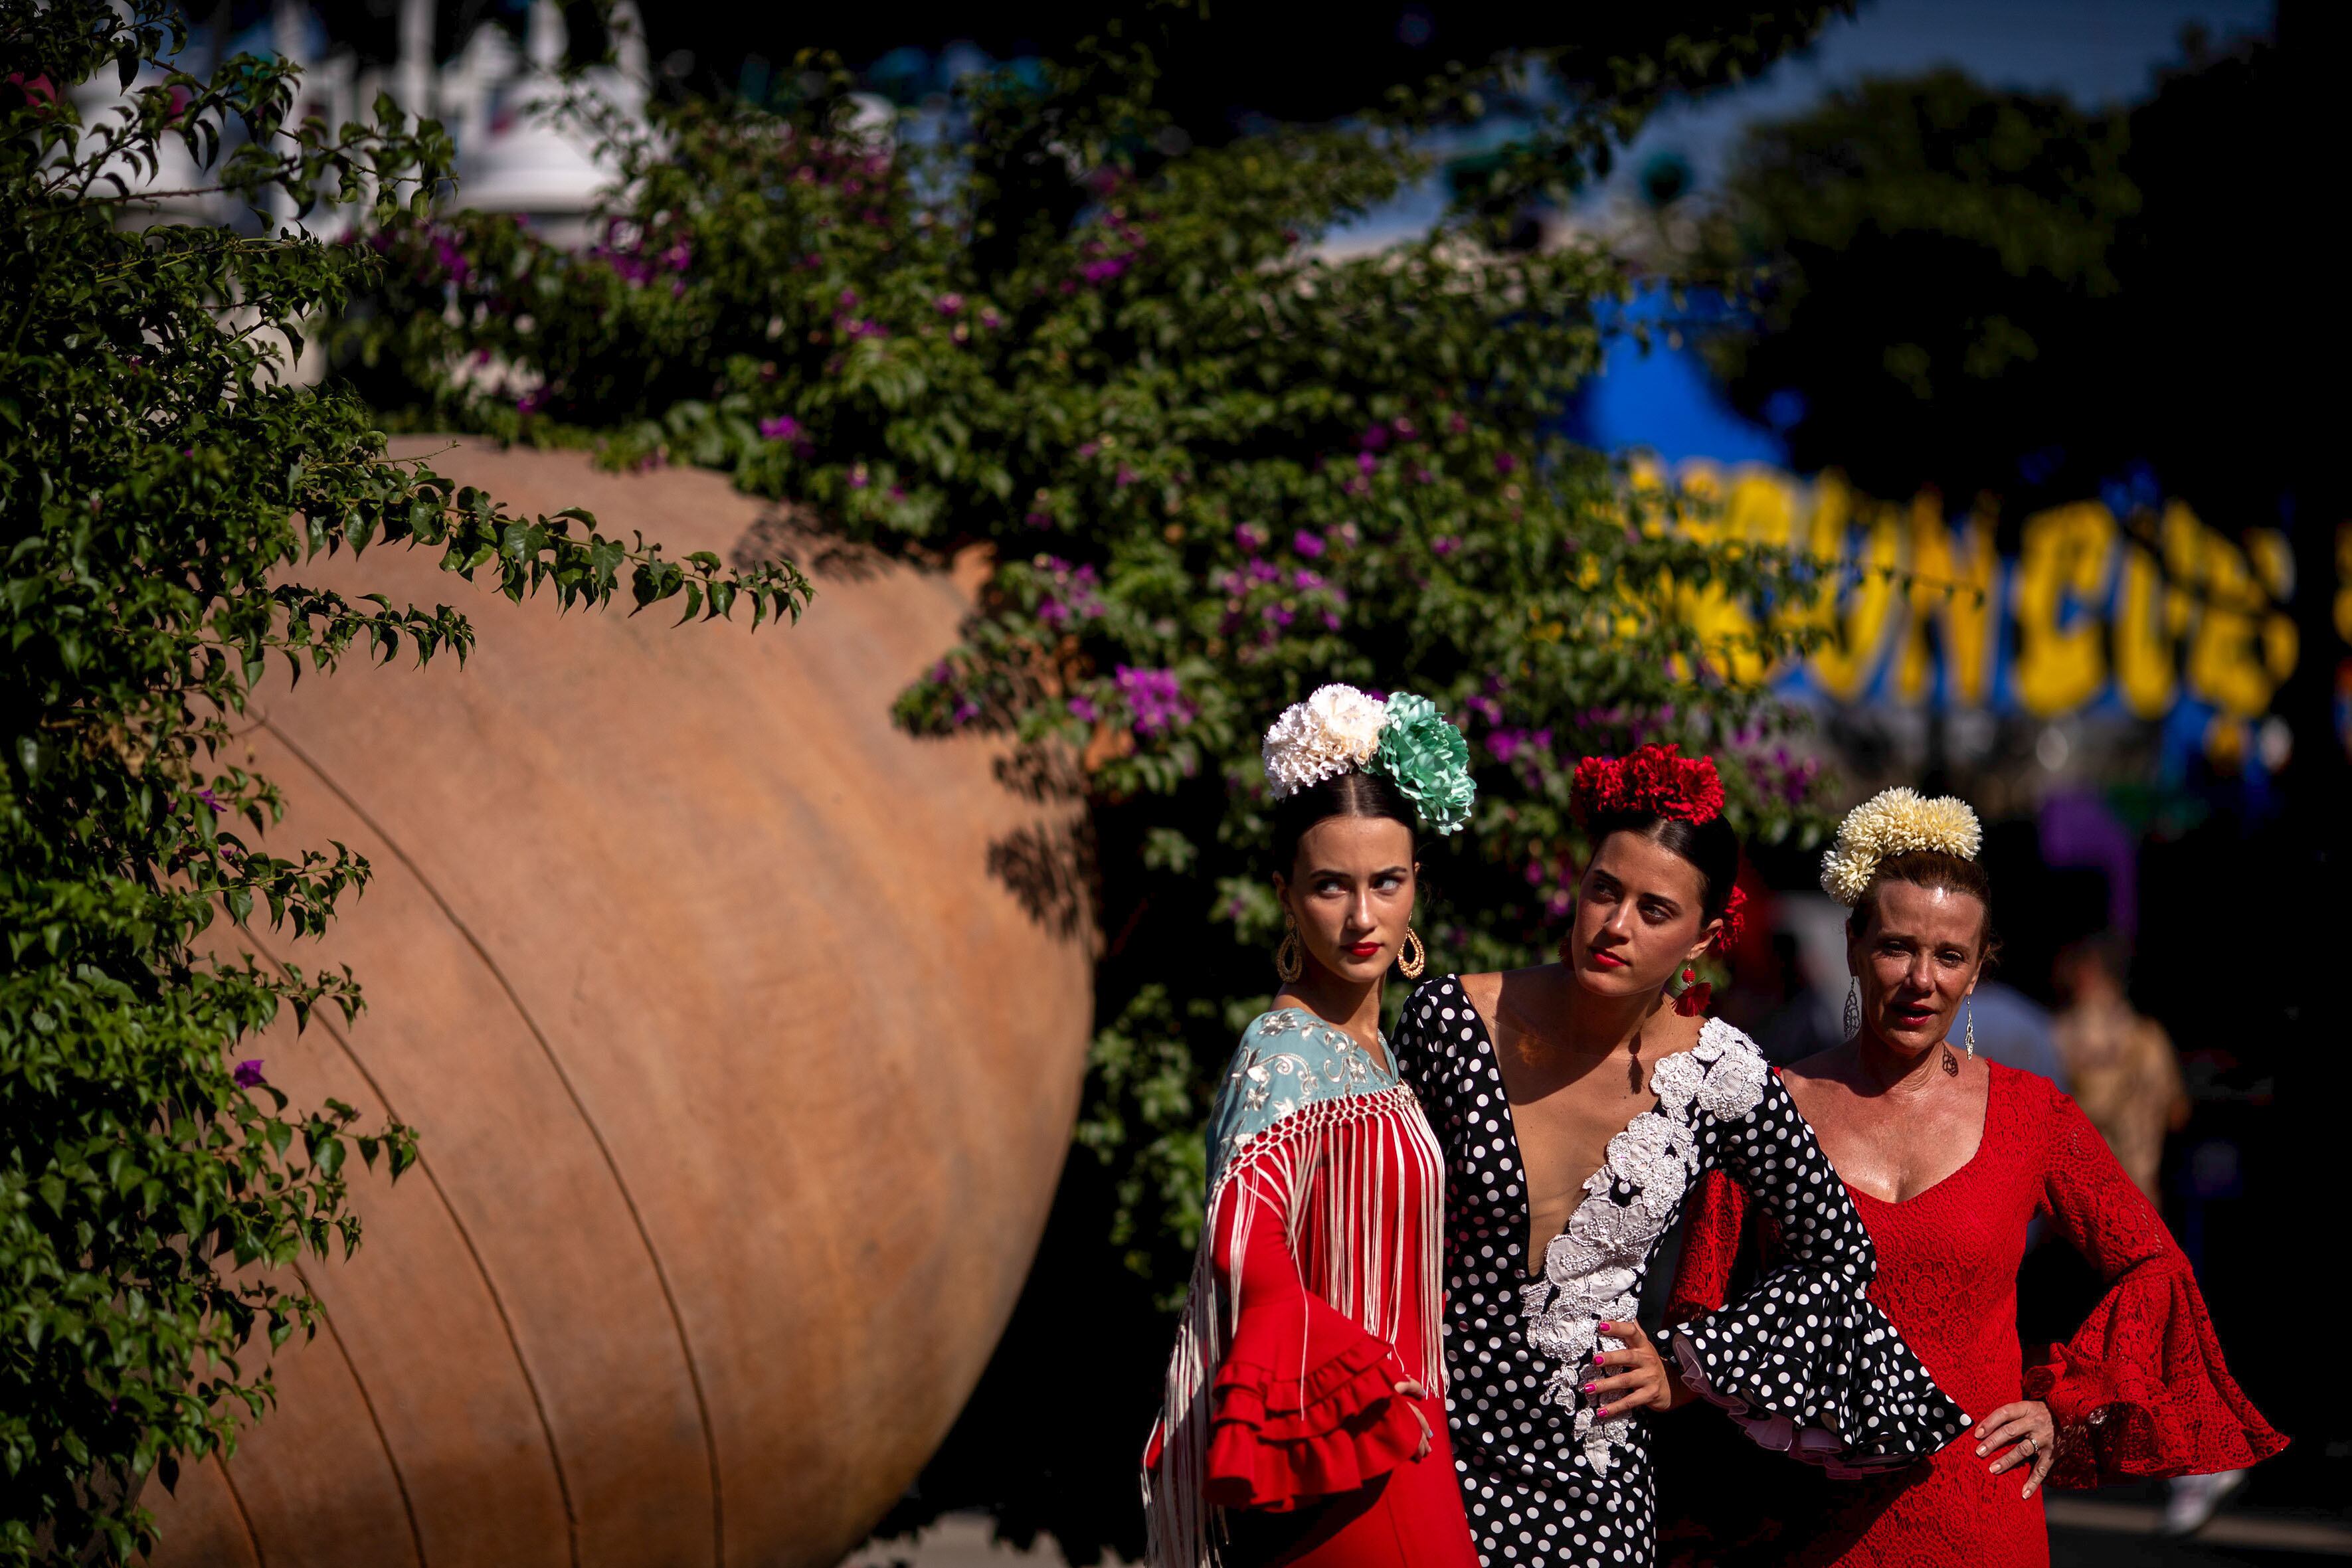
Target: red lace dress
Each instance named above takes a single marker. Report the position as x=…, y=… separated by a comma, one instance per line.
x=2139, y=1391
x=1283, y=1438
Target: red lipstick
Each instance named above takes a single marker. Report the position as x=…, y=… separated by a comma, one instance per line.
x=1604, y=959
x=1364, y=949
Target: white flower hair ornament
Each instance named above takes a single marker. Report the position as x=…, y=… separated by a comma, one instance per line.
x=1404, y=739
x=1893, y=822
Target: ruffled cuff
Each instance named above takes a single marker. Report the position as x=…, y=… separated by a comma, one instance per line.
x=1276, y=1442
x=2117, y=1423
x=1825, y=1382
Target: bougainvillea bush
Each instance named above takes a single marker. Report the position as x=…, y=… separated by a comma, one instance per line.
x=162, y=487
x=1219, y=458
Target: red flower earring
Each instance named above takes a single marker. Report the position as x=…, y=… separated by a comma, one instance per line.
x=1692, y=999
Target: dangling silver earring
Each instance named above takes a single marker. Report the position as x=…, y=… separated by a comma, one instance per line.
x=1853, y=1007
x=1972, y=1028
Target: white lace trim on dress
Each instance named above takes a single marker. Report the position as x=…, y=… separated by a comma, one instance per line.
x=1593, y=1268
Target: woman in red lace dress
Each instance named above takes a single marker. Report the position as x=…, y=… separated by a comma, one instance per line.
x=1950, y=1158
x=1304, y=1419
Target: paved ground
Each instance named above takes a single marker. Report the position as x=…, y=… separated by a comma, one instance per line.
x=2083, y=1534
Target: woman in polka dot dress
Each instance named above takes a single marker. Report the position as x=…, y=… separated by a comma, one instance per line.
x=1577, y=1103
x=1949, y=1158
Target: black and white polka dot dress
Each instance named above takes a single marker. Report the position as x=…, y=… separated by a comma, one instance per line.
x=1803, y=1361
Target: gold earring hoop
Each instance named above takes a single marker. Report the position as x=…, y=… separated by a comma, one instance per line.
x=1411, y=967
x=1290, y=955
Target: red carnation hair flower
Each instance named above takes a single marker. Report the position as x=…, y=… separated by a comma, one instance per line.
x=1653, y=781
x=1735, y=917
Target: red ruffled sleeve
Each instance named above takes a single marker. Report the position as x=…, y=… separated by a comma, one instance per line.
x=2140, y=1390
x=1712, y=1217
x=1305, y=1404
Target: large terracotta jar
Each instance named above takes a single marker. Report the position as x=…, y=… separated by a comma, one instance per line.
x=744, y=1034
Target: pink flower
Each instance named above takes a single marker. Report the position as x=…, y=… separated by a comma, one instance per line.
x=1366, y=462
x=948, y=304
x=1377, y=437
x=1505, y=463
x=1444, y=545
x=1307, y=544
x=1155, y=697
x=249, y=1073
x=782, y=427
x=1124, y=477
x=1250, y=537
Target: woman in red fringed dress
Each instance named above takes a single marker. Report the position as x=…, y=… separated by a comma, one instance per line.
x=1304, y=1418
x=1948, y=1159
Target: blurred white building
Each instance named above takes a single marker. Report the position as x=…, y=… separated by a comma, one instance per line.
x=515, y=154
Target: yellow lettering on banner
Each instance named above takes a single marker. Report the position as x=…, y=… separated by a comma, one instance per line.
x=2064, y=565
x=1700, y=483
x=2225, y=667
x=1724, y=627
x=1957, y=589
x=1762, y=509
x=2145, y=664
x=1859, y=619
x=2274, y=567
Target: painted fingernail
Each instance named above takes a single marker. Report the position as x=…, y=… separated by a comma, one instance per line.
x=1590, y=1386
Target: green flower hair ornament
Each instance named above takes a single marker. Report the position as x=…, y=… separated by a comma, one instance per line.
x=1428, y=761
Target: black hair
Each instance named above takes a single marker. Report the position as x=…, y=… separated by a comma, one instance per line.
x=1711, y=848
x=1349, y=794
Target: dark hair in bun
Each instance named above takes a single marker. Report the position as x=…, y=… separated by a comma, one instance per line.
x=1711, y=847
x=1349, y=794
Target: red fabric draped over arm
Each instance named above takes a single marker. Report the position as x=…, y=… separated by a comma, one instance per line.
x=1305, y=1400
x=2140, y=1389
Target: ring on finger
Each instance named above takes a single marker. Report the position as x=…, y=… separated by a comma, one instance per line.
x=2030, y=1447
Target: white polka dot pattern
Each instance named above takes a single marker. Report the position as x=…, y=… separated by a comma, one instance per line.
x=1804, y=1349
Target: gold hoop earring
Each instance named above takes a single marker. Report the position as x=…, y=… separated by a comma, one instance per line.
x=1411, y=967
x=1290, y=955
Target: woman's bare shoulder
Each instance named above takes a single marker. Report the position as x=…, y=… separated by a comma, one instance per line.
x=1486, y=991
x=1814, y=1081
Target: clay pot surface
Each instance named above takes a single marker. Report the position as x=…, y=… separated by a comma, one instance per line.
x=743, y=1049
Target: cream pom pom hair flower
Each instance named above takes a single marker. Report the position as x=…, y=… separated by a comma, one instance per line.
x=1337, y=729
x=1893, y=822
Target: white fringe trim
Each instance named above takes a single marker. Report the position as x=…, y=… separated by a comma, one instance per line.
x=1353, y=1262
